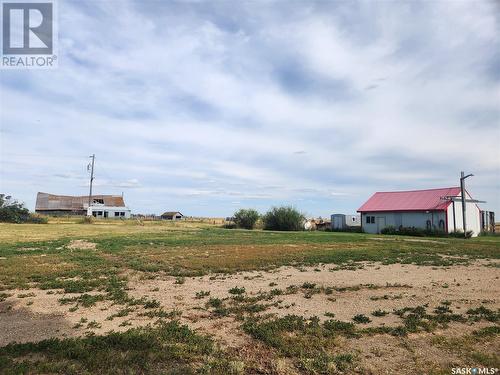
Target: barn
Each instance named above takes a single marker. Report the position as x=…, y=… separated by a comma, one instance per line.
x=434, y=209
x=102, y=206
x=172, y=215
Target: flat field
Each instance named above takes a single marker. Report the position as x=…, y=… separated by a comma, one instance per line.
x=124, y=297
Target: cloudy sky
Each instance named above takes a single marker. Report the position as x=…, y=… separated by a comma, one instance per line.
x=207, y=107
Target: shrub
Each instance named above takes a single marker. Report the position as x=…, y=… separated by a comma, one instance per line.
x=237, y=291
x=202, y=294
x=246, y=219
x=86, y=220
x=37, y=219
x=420, y=232
x=361, y=318
x=353, y=229
x=460, y=234
x=379, y=313
x=389, y=230
x=283, y=218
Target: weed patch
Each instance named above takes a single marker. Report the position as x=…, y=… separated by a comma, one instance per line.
x=168, y=348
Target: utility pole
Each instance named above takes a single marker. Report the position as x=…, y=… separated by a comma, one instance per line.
x=91, y=179
x=462, y=190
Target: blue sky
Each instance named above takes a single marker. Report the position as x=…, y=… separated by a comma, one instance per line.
x=207, y=107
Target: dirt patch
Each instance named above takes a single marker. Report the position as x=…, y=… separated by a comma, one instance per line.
x=20, y=324
x=412, y=354
x=35, y=314
x=375, y=287
x=406, y=240
x=81, y=245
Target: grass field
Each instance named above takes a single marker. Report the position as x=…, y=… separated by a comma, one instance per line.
x=155, y=297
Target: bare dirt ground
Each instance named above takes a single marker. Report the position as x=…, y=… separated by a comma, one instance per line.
x=31, y=315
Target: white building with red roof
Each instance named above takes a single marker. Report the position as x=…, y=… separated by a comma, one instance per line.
x=434, y=209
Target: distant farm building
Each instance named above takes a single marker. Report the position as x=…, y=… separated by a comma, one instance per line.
x=316, y=224
x=433, y=209
x=102, y=206
x=488, y=221
x=172, y=215
x=342, y=222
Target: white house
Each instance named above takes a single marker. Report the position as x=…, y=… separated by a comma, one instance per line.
x=427, y=209
x=111, y=212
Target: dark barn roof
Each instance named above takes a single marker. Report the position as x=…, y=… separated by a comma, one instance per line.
x=171, y=213
x=49, y=202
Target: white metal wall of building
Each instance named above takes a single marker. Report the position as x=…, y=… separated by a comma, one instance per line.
x=106, y=212
x=472, y=216
x=380, y=220
x=437, y=219
x=341, y=221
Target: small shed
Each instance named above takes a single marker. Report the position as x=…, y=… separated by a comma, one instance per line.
x=488, y=221
x=341, y=221
x=172, y=215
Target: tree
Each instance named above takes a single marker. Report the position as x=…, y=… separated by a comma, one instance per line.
x=283, y=218
x=12, y=211
x=246, y=218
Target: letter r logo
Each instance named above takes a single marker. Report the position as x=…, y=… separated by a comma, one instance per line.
x=27, y=28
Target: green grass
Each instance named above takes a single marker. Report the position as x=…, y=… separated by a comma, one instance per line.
x=194, y=252
x=202, y=294
x=169, y=348
x=86, y=300
x=311, y=345
x=379, y=313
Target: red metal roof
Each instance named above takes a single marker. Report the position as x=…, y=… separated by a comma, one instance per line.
x=415, y=200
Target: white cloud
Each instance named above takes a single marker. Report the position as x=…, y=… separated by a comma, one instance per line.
x=323, y=105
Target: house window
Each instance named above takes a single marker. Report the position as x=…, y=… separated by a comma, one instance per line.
x=428, y=225
x=98, y=201
x=122, y=213
x=353, y=219
x=117, y=214
x=368, y=220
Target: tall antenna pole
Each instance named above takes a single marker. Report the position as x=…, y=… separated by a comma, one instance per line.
x=462, y=190
x=91, y=178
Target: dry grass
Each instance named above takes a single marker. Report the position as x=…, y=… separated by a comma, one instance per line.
x=58, y=228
